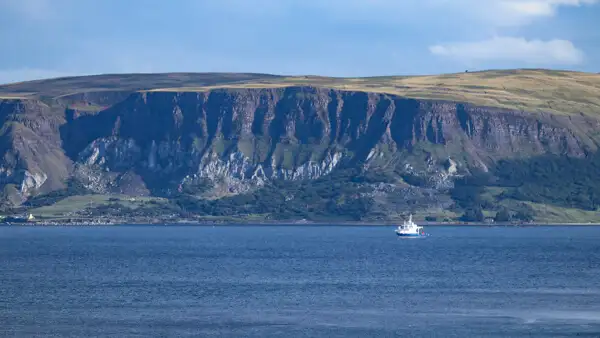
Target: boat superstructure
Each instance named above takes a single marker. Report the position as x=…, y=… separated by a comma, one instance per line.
x=410, y=229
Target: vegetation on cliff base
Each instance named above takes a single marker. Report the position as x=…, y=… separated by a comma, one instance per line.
x=561, y=181
x=334, y=197
x=546, y=180
x=513, y=190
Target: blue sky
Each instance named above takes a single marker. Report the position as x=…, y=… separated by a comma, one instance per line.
x=49, y=38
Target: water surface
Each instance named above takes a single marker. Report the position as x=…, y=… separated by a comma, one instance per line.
x=144, y=281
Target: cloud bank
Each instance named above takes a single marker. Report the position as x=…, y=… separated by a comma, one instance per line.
x=506, y=13
x=553, y=52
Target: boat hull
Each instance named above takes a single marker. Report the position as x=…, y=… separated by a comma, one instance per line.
x=409, y=235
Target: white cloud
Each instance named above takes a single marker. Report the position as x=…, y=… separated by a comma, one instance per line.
x=486, y=12
x=500, y=14
x=521, y=12
x=553, y=52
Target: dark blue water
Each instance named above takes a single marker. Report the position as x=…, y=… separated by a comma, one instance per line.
x=299, y=282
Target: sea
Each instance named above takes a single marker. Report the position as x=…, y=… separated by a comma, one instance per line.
x=299, y=281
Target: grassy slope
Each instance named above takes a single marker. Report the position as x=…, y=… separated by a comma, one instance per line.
x=70, y=206
x=558, y=92
x=544, y=213
x=73, y=206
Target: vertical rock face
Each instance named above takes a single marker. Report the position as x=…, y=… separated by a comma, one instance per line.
x=32, y=157
x=156, y=141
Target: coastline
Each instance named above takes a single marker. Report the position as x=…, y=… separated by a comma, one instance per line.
x=282, y=223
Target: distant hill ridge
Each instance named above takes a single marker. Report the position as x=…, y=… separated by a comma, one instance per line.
x=539, y=90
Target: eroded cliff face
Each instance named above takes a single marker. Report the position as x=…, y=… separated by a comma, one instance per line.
x=157, y=142
x=32, y=157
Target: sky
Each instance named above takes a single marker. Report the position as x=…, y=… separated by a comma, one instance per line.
x=53, y=38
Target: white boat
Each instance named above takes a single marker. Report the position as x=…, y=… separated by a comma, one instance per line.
x=410, y=229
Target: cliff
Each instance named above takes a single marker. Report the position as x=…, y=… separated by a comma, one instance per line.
x=230, y=137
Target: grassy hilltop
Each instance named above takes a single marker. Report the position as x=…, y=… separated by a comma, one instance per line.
x=536, y=90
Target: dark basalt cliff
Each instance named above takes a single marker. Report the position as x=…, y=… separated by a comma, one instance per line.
x=153, y=143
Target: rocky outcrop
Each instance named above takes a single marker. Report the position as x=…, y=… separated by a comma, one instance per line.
x=153, y=142
x=31, y=153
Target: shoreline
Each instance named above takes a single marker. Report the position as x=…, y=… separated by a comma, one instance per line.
x=287, y=223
